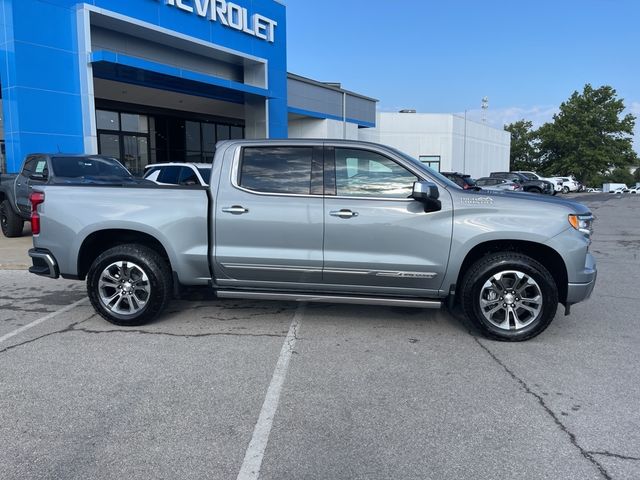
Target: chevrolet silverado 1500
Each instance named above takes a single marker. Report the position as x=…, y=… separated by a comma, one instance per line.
x=332, y=221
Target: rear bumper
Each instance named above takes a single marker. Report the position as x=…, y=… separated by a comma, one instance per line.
x=44, y=263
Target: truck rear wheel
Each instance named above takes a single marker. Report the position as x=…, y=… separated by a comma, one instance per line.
x=509, y=296
x=12, y=224
x=129, y=285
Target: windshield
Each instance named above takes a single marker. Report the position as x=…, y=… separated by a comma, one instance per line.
x=421, y=166
x=77, y=167
x=205, y=173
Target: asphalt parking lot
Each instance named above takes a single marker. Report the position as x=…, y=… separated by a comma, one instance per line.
x=229, y=389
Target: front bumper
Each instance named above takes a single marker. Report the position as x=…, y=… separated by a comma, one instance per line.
x=44, y=263
x=578, y=292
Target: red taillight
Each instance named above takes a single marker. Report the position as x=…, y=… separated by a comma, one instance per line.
x=36, y=198
x=465, y=187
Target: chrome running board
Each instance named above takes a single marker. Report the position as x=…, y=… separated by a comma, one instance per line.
x=304, y=297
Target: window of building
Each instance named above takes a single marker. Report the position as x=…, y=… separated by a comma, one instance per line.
x=137, y=139
x=277, y=169
x=431, y=161
x=106, y=120
x=109, y=145
x=134, y=123
x=361, y=173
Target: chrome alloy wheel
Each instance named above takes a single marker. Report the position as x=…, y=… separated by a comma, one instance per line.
x=124, y=288
x=511, y=300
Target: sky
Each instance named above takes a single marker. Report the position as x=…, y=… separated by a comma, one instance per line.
x=440, y=56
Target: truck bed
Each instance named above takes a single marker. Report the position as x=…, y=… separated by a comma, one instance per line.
x=177, y=217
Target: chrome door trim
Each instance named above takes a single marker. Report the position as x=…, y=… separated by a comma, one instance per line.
x=235, y=170
x=382, y=273
x=270, y=268
x=428, y=275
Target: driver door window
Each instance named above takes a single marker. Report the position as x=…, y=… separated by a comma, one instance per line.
x=361, y=173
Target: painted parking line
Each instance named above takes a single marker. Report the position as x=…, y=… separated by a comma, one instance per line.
x=252, y=463
x=41, y=320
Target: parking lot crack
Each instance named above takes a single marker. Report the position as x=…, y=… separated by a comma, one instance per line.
x=589, y=456
x=69, y=328
x=180, y=335
x=615, y=455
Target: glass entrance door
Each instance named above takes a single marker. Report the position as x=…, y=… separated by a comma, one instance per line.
x=135, y=153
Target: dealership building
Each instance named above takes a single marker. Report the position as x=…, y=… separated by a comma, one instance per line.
x=151, y=81
x=157, y=80
x=444, y=141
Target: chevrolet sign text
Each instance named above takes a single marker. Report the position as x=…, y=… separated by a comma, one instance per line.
x=230, y=15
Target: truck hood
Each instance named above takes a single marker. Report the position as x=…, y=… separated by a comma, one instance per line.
x=525, y=200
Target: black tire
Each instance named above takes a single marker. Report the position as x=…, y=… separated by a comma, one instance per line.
x=535, y=190
x=483, y=270
x=565, y=190
x=144, y=259
x=555, y=192
x=12, y=224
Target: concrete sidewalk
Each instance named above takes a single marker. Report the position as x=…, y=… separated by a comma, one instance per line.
x=13, y=251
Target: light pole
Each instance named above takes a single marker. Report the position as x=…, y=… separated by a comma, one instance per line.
x=344, y=115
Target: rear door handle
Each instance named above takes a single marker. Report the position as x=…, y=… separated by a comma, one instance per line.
x=235, y=210
x=344, y=213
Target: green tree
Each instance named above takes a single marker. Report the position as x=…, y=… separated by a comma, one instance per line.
x=636, y=175
x=589, y=136
x=620, y=175
x=523, y=150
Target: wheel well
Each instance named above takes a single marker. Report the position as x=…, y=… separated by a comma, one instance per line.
x=98, y=242
x=547, y=256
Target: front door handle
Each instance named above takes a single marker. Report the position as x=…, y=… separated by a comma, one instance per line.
x=344, y=213
x=235, y=210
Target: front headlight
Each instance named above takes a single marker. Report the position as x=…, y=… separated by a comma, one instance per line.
x=582, y=223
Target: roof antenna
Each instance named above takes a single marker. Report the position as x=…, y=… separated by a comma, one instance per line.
x=58, y=145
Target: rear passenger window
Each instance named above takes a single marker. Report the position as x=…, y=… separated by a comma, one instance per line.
x=277, y=169
x=169, y=175
x=30, y=166
x=188, y=177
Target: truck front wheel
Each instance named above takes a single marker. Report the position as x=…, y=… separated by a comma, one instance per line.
x=129, y=285
x=12, y=224
x=509, y=296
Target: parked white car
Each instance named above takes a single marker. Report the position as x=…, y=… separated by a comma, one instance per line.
x=557, y=184
x=634, y=190
x=186, y=174
x=569, y=184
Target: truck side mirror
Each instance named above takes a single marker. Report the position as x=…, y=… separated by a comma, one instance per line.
x=428, y=194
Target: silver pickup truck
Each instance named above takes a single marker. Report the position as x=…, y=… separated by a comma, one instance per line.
x=322, y=221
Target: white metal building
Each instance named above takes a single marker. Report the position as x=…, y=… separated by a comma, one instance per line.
x=446, y=142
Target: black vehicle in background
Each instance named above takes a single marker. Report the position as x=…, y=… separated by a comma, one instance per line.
x=463, y=180
x=498, y=184
x=48, y=169
x=528, y=185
